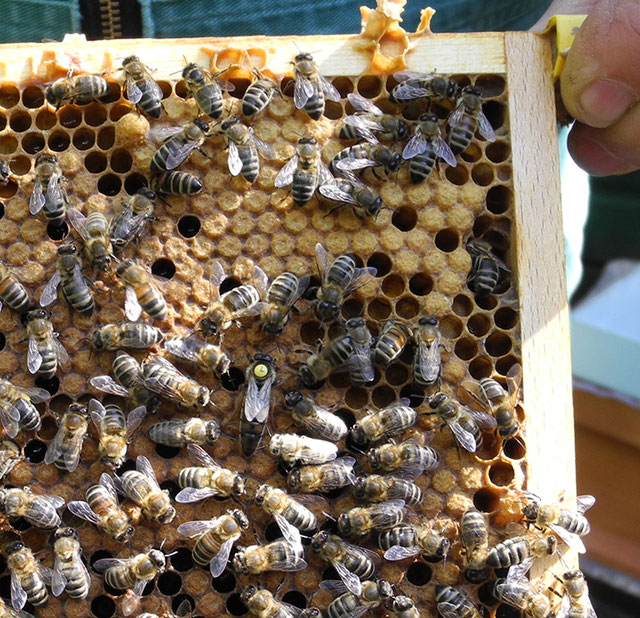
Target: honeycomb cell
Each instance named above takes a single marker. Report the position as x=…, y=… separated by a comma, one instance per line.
x=486, y=500
x=480, y=367
x=478, y=325
x=495, y=113
x=9, y=96
x=109, y=184
x=447, y=240
x=369, y=86
x=133, y=182
x=84, y=138
x=466, y=348
x=419, y=573
x=381, y=262
x=514, y=448
x=421, y=284
x=19, y=121
x=103, y=607
x=392, y=286
x=34, y=451
x=333, y=110
x=121, y=161
x=472, y=154
x=59, y=141
x=503, y=365
x=404, y=218
x=95, y=114
x=70, y=116
x=382, y=396
x=396, y=374
x=407, y=307
x=106, y=137
x=450, y=327
x=32, y=97
x=458, y=175
x=343, y=85
x=164, y=268
x=169, y=583
x=95, y=162
x=505, y=318
x=9, y=144
x=482, y=174
x=491, y=86
x=8, y=190
x=188, y=226
x=488, y=303
x=498, y=343
x=462, y=305
x=501, y=473
x=498, y=152
x=499, y=199
x=356, y=397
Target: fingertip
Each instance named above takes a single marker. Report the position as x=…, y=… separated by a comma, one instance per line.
x=591, y=156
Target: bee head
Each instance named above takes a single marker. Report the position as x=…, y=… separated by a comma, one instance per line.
x=238, y=487
x=123, y=266
x=428, y=322
x=50, y=95
x=402, y=130
x=319, y=539
x=471, y=90
x=436, y=400
x=229, y=122
x=374, y=458
x=293, y=479
x=67, y=250
x=292, y=398
x=344, y=524
x=167, y=516
x=307, y=377
x=476, y=576
x=208, y=327
x=192, y=71
x=203, y=399
x=14, y=547
x=241, y=519
x=308, y=140
x=157, y=557
x=261, y=494
x=327, y=311
x=239, y=563
x=385, y=590
x=121, y=538
x=96, y=340
x=37, y=314
x=201, y=124
x=213, y=431
x=46, y=158
x=355, y=323
x=247, y=592
x=275, y=445
x=304, y=56
x=146, y=192
x=62, y=532
x=359, y=487
x=3, y=497
x=530, y=510
x=78, y=408
x=129, y=60
x=274, y=329
x=358, y=435
x=375, y=206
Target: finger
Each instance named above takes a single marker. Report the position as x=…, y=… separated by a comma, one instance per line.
x=564, y=7
x=600, y=80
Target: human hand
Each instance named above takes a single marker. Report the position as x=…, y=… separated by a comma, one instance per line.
x=600, y=84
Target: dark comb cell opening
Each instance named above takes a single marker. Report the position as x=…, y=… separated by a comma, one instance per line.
x=32, y=97
x=166, y=89
x=343, y=85
x=514, y=448
x=506, y=318
x=356, y=397
x=9, y=144
x=20, y=165
x=233, y=379
x=347, y=416
x=113, y=94
x=393, y=285
x=286, y=86
x=19, y=121
x=419, y=574
x=311, y=332
x=486, y=302
x=407, y=307
x=330, y=574
x=169, y=583
x=480, y=367
x=51, y=386
x=3, y=121
x=478, y=325
x=490, y=447
x=34, y=451
x=499, y=199
x=450, y=327
x=397, y=374
x=486, y=500
x=381, y=262
x=57, y=232
x=447, y=240
x=352, y=308
x=9, y=96
x=109, y=184
x=133, y=182
x=421, y=284
x=83, y=139
x=164, y=268
x=369, y=86
x=70, y=117
x=228, y=284
x=129, y=464
x=490, y=85
x=181, y=89
x=99, y=555
x=20, y=524
x=333, y=110
x=295, y=598
x=95, y=162
x=120, y=110
x=485, y=594
x=494, y=112
x=383, y=396
x=482, y=174
x=466, y=348
x=121, y=161
x=472, y=153
x=172, y=487
x=188, y=226
x=95, y=114
x=181, y=559
x=103, y=607
x=225, y=583
x=5, y=586
x=462, y=305
x=340, y=380
x=148, y=589
x=33, y=143
x=497, y=344
x=167, y=452
x=501, y=473
x=235, y=606
x=414, y=394
x=8, y=190
x=457, y=175
x=507, y=611
x=106, y=137
x=1, y=210
x=272, y=532
x=241, y=85
x=504, y=364
x=182, y=603
x=498, y=151
x=404, y=218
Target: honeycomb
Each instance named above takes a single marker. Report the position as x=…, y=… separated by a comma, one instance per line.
x=416, y=245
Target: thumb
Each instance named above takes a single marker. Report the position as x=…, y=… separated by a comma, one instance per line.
x=600, y=80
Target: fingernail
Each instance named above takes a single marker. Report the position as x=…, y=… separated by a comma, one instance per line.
x=604, y=101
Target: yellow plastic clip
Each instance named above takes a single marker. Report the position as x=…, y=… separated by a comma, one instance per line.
x=566, y=27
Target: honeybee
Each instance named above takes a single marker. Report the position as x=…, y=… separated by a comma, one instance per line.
x=9, y=612
x=362, y=156
x=258, y=95
x=352, y=563
x=338, y=280
x=215, y=538
x=114, y=430
x=466, y=424
x=390, y=342
x=279, y=555
x=350, y=605
x=68, y=275
x=286, y=510
x=365, y=202
x=413, y=85
x=38, y=509
x=427, y=362
x=261, y=603
x=360, y=363
x=243, y=148
x=568, y=524
x=129, y=384
x=465, y=118
x=514, y=550
x=575, y=602
x=179, y=143
x=359, y=520
x=292, y=448
x=64, y=449
x=316, y=420
x=390, y=421
x=409, y=540
x=185, y=431
x=94, y=230
x=517, y=591
x=78, y=90
x=239, y=302
x=28, y=576
x=17, y=409
x=48, y=192
x=206, y=89
x=260, y=376
x=131, y=574
x=207, y=356
x=474, y=537
x=69, y=572
x=161, y=377
x=311, y=89
x=323, y=478
x=12, y=292
x=176, y=183
x=318, y=366
x=452, y=603
x=130, y=221
x=125, y=335
x=409, y=457
x=305, y=171
x=9, y=457
x=376, y=488
x=487, y=270
x=140, y=293
x=141, y=486
x=370, y=122
x=403, y=606
x=142, y=89
x=5, y=173
x=283, y=293
x=103, y=510
x=425, y=147
x=207, y=479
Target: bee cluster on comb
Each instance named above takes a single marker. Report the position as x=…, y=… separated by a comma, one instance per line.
x=407, y=285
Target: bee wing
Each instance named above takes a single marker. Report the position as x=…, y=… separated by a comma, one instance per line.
x=363, y=104
x=290, y=533
x=355, y=164
x=109, y=484
x=134, y=94
x=105, y=564
x=325, y=176
x=97, y=412
x=260, y=281
x=107, y=384
x=37, y=199
x=83, y=511
x=571, y=539
x=179, y=155
x=162, y=134
x=234, y=160
x=403, y=76
x=400, y=553
x=322, y=260
x=456, y=115
x=131, y=601
x=443, y=150
x=225, y=85
x=565, y=607
x=429, y=358
x=360, y=361
x=58, y=580
x=333, y=585
x=200, y=456
x=61, y=353
x=285, y=175
x=257, y=400
x=365, y=127
x=50, y=292
x=196, y=528
x=34, y=360
x=333, y=192
x=195, y=494
x=132, y=308
x=143, y=465
x=135, y=417
x=117, y=483
x=330, y=91
x=303, y=90
x=519, y=571
x=78, y=221
x=361, y=276
x=415, y=146
x=178, y=347
x=448, y=610
x=407, y=92
x=485, y=128
x=584, y=503
x=350, y=580
x=18, y=595
x=10, y=417
x=37, y=395
x=54, y=450
x=263, y=148
x=484, y=420
x=465, y=438
x=219, y=561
